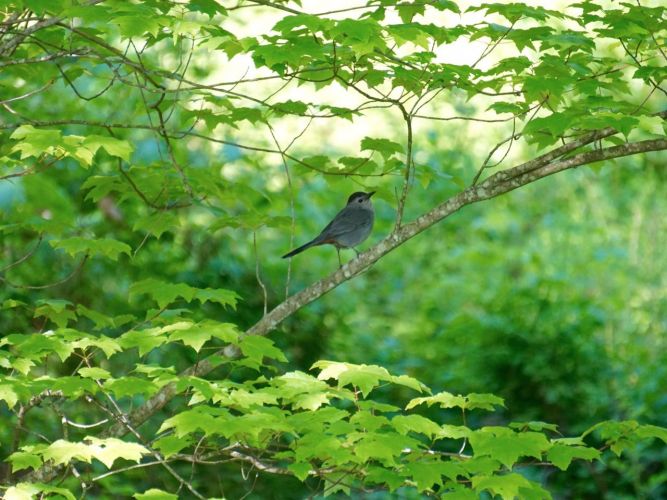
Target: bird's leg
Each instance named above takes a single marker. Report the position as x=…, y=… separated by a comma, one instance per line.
x=340, y=264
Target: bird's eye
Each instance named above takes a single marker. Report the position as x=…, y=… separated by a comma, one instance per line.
x=360, y=200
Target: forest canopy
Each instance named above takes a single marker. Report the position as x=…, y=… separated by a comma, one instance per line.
x=501, y=333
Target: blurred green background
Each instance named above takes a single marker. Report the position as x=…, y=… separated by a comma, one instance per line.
x=553, y=297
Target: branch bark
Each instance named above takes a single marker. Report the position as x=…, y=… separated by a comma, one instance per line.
x=495, y=185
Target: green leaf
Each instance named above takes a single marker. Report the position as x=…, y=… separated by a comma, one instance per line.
x=335, y=482
x=196, y=335
x=73, y=387
x=252, y=115
x=34, y=142
x=106, y=247
x=23, y=459
x=257, y=348
x=382, y=475
x=366, y=377
x=170, y=445
x=191, y=334
x=562, y=455
x=357, y=31
x=63, y=452
x=311, y=401
x=288, y=24
x=8, y=395
x=12, y=304
x=383, y=447
x=415, y=423
x=144, y=340
x=384, y=146
x=109, y=450
x=357, y=164
x=453, y=432
x=427, y=473
x=515, y=11
x=302, y=390
x=57, y=310
x=290, y=108
x=509, y=486
x=165, y=293
x=22, y=491
x=507, y=446
x=483, y=401
x=617, y=435
x=100, y=186
x=507, y=107
x=157, y=223
x=107, y=345
x=300, y=470
x=407, y=10
x=469, y=402
x=403, y=33
x=219, y=295
x=317, y=162
x=27, y=491
x=38, y=345
x=187, y=422
x=209, y=7
x=138, y=25
x=377, y=407
x=102, y=320
x=652, y=431
x=94, y=373
x=446, y=5
x=315, y=445
x=155, y=494
x=130, y=386
x=346, y=113
x=623, y=123
x=115, y=147
x=534, y=426
x=368, y=421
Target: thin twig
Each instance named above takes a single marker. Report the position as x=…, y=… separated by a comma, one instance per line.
x=290, y=190
x=50, y=285
x=28, y=94
x=26, y=256
x=409, y=167
x=257, y=275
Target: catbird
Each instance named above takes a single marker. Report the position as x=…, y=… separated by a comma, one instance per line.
x=349, y=228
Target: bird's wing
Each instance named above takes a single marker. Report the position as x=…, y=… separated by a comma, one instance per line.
x=345, y=222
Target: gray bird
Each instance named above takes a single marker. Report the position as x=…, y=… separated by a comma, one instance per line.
x=349, y=228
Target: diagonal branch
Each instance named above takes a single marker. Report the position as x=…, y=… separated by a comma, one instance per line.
x=496, y=185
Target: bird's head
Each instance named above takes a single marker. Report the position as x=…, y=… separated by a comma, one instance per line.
x=360, y=199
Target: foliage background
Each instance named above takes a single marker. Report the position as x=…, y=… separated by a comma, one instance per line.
x=552, y=297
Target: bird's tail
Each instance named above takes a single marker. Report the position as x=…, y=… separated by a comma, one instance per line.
x=301, y=249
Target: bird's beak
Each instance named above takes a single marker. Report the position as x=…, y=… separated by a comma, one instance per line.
x=370, y=194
